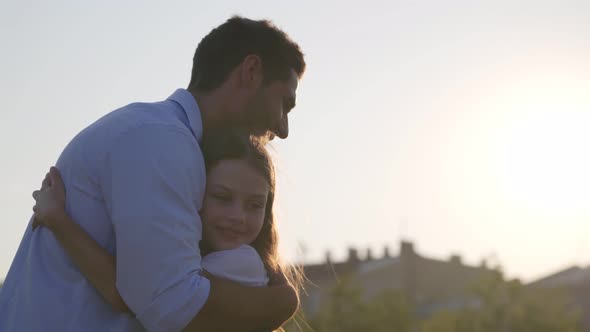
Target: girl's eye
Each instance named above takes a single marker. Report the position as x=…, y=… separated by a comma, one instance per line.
x=257, y=206
x=222, y=197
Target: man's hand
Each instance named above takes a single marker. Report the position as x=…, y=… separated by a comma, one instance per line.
x=233, y=307
x=50, y=201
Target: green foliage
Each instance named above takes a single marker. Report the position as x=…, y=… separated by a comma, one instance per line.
x=347, y=311
x=509, y=306
x=497, y=306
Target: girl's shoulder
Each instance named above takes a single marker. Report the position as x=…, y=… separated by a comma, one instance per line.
x=242, y=264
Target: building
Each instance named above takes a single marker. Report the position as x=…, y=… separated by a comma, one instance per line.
x=576, y=282
x=429, y=284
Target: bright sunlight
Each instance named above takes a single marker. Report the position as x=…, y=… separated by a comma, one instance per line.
x=543, y=149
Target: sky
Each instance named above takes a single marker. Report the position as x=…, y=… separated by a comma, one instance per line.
x=458, y=125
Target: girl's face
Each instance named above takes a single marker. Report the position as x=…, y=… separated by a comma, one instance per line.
x=234, y=205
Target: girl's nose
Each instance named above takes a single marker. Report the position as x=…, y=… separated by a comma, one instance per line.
x=238, y=214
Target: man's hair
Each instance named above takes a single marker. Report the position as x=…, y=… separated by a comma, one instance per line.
x=227, y=45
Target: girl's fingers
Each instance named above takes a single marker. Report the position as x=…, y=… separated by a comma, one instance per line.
x=55, y=177
x=46, y=182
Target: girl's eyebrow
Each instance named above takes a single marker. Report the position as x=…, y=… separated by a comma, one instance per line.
x=251, y=194
x=220, y=186
x=258, y=196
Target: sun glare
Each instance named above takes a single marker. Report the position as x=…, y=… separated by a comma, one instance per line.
x=543, y=152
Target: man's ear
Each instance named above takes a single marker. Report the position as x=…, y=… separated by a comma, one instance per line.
x=251, y=75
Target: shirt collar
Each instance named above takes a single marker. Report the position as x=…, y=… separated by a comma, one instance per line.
x=188, y=103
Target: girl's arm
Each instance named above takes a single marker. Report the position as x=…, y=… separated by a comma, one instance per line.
x=94, y=262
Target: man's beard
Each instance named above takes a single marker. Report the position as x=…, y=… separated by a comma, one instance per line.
x=255, y=119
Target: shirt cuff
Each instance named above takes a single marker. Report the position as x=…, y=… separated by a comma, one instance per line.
x=174, y=308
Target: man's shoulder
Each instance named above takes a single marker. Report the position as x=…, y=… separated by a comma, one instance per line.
x=138, y=125
x=139, y=118
x=140, y=114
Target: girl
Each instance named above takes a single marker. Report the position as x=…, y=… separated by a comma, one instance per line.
x=239, y=242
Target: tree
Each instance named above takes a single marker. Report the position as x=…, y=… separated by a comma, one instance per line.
x=347, y=311
x=508, y=306
x=494, y=305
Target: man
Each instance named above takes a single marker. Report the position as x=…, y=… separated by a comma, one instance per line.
x=135, y=181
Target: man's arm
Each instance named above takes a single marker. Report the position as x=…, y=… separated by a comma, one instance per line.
x=152, y=184
x=232, y=307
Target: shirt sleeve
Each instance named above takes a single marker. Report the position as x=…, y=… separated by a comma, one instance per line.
x=242, y=265
x=153, y=185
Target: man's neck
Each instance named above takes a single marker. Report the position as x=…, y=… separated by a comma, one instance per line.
x=212, y=106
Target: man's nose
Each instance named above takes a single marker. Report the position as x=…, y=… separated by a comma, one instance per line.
x=283, y=129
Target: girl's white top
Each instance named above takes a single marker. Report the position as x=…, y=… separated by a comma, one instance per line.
x=242, y=265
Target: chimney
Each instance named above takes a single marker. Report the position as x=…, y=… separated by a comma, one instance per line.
x=353, y=255
x=328, y=257
x=407, y=249
x=456, y=259
x=409, y=265
x=484, y=264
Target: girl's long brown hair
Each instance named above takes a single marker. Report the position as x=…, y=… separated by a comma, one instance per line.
x=233, y=145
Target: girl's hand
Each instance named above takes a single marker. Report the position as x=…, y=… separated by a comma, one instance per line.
x=50, y=201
